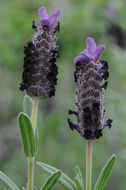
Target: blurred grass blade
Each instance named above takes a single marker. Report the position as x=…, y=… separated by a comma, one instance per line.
x=79, y=176
x=26, y=186
x=23, y=188
x=78, y=184
x=27, y=105
x=51, y=181
x=8, y=181
x=27, y=134
x=64, y=179
x=105, y=173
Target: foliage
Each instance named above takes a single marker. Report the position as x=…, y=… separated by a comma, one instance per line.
x=78, y=184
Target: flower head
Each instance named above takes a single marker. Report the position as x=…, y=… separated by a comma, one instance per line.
x=40, y=70
x=48, y=20
x=90, y=77
x=92, y=52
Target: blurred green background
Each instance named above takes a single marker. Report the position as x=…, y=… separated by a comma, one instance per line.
x=105, y=21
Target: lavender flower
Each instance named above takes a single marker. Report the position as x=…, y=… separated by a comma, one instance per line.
x=89, y=76
x=40, y=70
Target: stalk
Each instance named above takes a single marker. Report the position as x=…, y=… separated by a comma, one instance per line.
x=88, y=165
x=34, y=113
x=31, y=159
x=30, y=173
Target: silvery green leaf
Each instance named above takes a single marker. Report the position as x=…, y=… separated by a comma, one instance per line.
x=64, y=179
x=8, y=181
x=27, y=105
x=51, y=181
x=105, y=173
x=79, y=176
x=27, y=134
x=78, y=184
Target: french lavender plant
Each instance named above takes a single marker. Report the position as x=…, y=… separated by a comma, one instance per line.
x=90, y=76
x=39, y=79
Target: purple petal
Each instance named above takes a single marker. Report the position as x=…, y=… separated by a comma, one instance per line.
x=81, y=58
x=53, y=18
x=98, y=52
x=43, y=14
x=91, y=45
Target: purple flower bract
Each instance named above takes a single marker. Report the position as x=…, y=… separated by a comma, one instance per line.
x=48, y=20
x=91, y=52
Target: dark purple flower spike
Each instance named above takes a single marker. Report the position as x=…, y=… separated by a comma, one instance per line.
x=40, y=70
x=89, y=76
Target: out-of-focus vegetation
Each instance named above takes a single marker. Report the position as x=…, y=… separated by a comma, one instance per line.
x=105, y=21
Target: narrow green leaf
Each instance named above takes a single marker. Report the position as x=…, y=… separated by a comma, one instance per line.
x=27, y=105
x=27, y=134
x=105, y=173
x=78, y=183
x=51, y=181
x=8, y=181
x=64, y=179
x=79, y=176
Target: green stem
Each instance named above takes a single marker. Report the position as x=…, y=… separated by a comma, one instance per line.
x=30, y=173
x=88, y=164
x=31, y=159
x=34, y=113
